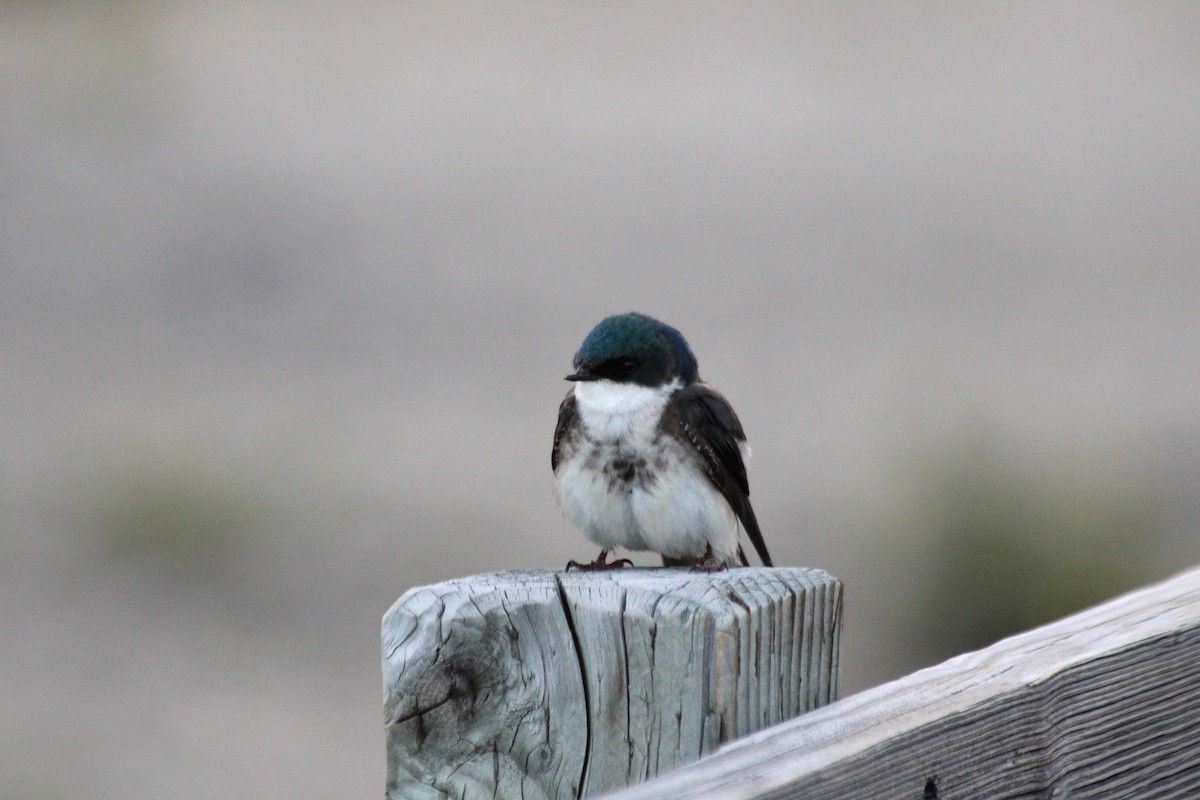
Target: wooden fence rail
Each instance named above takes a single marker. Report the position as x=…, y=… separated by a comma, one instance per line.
x=1103, y=704
x=559, y=685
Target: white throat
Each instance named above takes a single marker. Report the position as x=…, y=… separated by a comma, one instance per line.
x=612, y=410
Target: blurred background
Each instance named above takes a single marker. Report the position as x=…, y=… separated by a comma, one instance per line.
x=288, y=291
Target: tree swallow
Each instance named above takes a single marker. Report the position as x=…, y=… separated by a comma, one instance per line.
x=649, y=457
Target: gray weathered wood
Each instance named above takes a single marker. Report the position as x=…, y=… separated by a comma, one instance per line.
x=1103, y=704
x=551, y=685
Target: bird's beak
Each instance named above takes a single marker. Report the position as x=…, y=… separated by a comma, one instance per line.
x=583, y=374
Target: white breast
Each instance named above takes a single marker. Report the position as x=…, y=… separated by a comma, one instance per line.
x=677, y=514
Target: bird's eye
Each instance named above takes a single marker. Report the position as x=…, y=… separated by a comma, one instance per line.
x=629, y=365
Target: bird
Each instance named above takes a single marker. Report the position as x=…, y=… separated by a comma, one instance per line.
x=647, y=456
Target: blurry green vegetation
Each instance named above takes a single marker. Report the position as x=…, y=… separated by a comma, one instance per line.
x=183, y=514
x=1005, y=543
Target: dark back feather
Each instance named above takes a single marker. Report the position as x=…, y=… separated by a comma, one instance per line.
x=704, y=419
x=566, y=415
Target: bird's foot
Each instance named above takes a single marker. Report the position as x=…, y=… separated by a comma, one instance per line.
x=600, y=564
x=708, y=562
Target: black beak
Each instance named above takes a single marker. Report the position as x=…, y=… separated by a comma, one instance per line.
x=583, y=374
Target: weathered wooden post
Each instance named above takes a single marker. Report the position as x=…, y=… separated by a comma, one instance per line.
x=1104, y=704
x=548, y=684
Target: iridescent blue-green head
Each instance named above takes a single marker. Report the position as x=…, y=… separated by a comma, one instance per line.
x=634, y=348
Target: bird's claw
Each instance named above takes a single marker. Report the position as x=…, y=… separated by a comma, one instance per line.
x=708, y=562
x=600, y=564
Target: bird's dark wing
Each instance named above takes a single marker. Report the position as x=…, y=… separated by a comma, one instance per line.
x=566, y=415
x=700, y=416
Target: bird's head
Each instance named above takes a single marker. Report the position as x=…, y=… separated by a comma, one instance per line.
x=637, y=349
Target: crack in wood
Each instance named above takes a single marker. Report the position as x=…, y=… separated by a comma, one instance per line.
x=421, y=711
x=587, y=702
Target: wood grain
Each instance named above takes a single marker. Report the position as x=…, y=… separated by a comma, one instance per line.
x=550, y=684
x=1103, y=704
